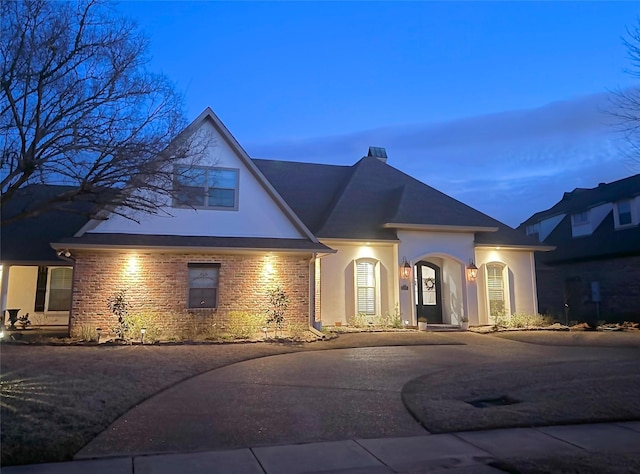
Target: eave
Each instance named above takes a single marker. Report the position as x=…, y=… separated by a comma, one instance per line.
x=439, y=228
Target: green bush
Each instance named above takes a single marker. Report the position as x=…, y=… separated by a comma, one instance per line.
x=244, y=325
x=86, y=332
x=135, y=322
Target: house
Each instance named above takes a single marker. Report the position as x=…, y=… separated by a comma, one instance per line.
x=594, y=272
x=35, y=279
x=343, y=241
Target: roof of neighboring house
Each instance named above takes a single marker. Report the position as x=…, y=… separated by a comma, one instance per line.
x=371, y=199
x=581, y=199
x=27, y=240
x=145, y=241
x=606, y=241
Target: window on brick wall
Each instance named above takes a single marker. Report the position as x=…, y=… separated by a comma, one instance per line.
x=203, y=285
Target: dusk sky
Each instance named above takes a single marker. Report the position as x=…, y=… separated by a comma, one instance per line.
x=500, y=105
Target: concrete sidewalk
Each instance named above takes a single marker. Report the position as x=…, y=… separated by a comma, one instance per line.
x=465, y=452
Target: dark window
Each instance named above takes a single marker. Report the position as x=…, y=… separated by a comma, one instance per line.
x=203, y=285
x=624, y=212
x=208, y=188
x=60, y=289
x=41, y=289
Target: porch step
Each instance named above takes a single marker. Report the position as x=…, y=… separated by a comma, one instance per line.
x=442, y=327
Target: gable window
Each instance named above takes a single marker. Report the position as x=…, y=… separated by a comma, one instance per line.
x=203, y=285
x=366, y=287
x=206, y=188
x=53, y=289
x=496, y=289
x=624, y=212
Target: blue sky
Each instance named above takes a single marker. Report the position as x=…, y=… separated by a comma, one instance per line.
x=501, y=105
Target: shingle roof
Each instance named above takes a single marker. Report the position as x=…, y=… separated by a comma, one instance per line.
x=356, y=202
x=200, y=242
x=27, y=240
x=604, y=242
x=581, y=199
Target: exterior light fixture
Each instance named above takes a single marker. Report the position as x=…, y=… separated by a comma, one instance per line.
x=266, y=334
x=472, y=271
x=143, y=331
x=405, y=269
x=1, y=333
x=98, y=330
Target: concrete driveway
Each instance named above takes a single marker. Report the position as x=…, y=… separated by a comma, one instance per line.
x=303, y=397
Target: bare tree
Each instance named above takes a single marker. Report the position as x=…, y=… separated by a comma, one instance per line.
x=79, y=107
x=625, y=103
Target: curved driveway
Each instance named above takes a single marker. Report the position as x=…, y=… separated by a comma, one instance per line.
x=296, y=398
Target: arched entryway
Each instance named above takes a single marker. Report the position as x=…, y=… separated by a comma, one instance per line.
x=428, y=291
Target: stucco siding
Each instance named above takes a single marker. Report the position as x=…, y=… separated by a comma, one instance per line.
x=521, y=280
x=258, y=215
x=22, y=288
x=338, y=300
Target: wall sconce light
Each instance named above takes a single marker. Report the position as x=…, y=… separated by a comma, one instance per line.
x=472, y=271
x=405, y=269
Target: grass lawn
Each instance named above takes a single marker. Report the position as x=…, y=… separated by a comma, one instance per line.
x=55, y=399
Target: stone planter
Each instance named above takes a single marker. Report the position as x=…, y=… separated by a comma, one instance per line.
x=464, y=325
x=422, y=326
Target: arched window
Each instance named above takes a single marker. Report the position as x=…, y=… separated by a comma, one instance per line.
x=497, y=288
x=366, y=289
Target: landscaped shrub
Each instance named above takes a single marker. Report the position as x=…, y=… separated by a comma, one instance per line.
x=278, y=304
x=119, y=306
x=86, y=332
x=150, y=322
x=244, y=325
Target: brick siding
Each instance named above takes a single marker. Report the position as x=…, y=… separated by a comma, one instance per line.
x=158, y=284
x=619, y=281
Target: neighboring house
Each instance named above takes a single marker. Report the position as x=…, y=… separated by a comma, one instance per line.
x=594, y=272
x=35, y=280
x=342, y=241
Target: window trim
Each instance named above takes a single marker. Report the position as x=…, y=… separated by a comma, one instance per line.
x=506, y=290
x=217, y=287
x=206, y=188
x=618, y=224
x=376, y=287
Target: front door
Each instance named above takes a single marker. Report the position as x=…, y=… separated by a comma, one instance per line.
x=428, y=294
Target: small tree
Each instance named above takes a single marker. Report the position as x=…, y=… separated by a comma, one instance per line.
x=278, y=304
x=119, y=306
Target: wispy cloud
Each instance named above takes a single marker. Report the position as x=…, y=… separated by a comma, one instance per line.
x=509, y=165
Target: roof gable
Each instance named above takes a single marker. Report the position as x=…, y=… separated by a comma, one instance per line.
x=261, y=211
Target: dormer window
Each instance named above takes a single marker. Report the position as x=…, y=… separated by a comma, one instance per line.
x=202, y=187
x=533, y=230
x=580, y=218
x=624, y=212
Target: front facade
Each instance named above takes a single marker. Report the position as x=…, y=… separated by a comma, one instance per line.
x=594, y=272
x=348, y=244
